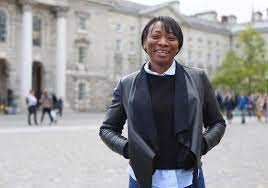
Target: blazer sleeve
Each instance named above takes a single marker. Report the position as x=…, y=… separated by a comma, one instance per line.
x=113, y=124
x=212, y=118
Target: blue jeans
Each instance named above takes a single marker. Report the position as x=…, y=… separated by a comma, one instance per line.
x=201, y=181
x=243, y=114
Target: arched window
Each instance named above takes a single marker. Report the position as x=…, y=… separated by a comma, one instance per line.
x=37, y=27
x=3, y=26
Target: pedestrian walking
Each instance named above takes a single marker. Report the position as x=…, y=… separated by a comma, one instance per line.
x=229, y=104
x=251, y=106
x=265, y=109
x=47, y=103
x=54, y=111
x=242, y=104
x=260, y=107
x=31, y=102
x=60, y=106
x=165, y=105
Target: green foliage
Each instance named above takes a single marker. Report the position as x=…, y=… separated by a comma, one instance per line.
x=246, y=69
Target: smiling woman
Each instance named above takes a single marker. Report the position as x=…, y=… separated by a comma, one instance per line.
x=166, y=105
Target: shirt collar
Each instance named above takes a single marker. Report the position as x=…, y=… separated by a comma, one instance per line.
x=171, y=70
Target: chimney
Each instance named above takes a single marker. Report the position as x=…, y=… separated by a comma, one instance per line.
x=257, y=16
x=224, y=19
x=229, y=19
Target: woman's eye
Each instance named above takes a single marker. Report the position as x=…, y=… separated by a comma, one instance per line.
x=155, y=36
x=171, y=38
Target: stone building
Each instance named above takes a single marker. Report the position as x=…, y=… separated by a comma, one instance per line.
x=79, y=49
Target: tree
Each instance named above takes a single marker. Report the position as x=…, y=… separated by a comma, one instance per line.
x=245, y=69
x=230, y=73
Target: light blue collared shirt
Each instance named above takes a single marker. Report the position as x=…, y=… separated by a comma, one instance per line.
x=179, y=178
x=171, y=70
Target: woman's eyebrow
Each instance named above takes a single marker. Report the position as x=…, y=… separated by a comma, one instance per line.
x=156, y=31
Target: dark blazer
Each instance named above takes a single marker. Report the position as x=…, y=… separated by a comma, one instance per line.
x=131, y=101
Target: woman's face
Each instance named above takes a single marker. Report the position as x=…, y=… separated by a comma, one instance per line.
x=161, y=46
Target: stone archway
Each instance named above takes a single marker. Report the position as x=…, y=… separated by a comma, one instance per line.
x=37, y=78
x=4, y=73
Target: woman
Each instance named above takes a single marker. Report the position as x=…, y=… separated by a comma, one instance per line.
x=165, y=105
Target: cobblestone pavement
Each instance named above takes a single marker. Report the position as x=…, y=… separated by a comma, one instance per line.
x=71, y=155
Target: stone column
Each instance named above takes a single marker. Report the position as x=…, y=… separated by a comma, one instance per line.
x=61, y=52
x=26, y=48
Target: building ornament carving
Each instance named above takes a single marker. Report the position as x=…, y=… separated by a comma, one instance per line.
x=27, y=4
x=61, y=11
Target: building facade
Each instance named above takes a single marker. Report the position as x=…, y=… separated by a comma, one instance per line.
x=79, y=49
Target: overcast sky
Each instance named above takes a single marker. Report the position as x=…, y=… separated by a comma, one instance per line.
x=240, y=8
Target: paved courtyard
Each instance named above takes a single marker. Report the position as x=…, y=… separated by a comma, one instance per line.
x=71, y=155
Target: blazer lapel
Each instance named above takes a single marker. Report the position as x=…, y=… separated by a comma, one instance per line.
x=187, y=109
x=195, y=117
x=142, y=112
x=181, y=107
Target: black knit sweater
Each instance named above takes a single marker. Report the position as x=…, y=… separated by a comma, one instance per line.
x=171, y=155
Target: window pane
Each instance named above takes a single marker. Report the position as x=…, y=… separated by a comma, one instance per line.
x=200, y=40
x=118, y=27
x=37, y=31
x=81, y=91
x=208, y=57
x=131, y=46
x=117, y=45
x=82, y=23
x=81, y=54
x=2, y=26
x=132, y=28
x=118, y=60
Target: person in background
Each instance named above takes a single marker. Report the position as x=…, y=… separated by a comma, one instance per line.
x=47, y=104
x=166, y=105
x=220, y=100
x=242, y=104
x=60, y=106
x=31, y=102
x=229, y=104
x=265, y=109
x=260, y=107
x=251, y=106
x=54, y=111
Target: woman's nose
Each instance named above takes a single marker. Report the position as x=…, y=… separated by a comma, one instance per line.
x=163, y=41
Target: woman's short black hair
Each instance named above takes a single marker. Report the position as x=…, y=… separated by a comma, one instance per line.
x=170, y=25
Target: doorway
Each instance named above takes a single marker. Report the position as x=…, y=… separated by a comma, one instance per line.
x=4, y=73
x=37, y=78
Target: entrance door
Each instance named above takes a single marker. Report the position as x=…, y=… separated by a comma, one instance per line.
x=37, y=78
x=3, y=80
